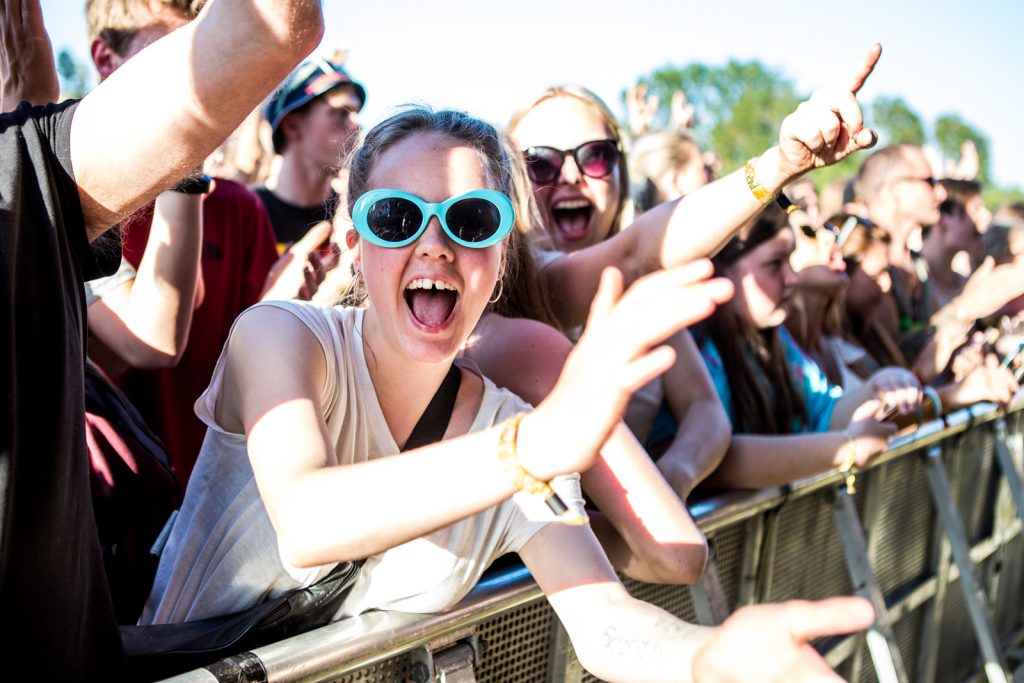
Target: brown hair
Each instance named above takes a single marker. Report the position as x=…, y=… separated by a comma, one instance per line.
x=764, y=397
x=874, y=339
x=522, y=294
x=116, y=22
x=958, y=194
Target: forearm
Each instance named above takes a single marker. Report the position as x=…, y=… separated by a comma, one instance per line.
x=395, y=499
x=701, y=223
x=671, y=234
x=698, y=447
x=647, y=532
x=158, y=311
x=623, y=639
x=180, y=97
x=758, y=461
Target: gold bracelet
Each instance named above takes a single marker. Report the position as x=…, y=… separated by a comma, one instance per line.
x=759, y=191
x=508, y=456
x=849, y=466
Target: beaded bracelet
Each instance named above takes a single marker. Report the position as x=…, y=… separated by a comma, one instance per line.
x=508, y=456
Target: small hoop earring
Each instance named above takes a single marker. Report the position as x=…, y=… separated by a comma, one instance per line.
x=501, y=290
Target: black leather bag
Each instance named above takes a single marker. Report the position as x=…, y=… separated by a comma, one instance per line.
x=163, y=650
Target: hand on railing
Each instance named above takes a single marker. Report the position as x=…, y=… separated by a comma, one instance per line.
x=771, y=643
x=867, y=438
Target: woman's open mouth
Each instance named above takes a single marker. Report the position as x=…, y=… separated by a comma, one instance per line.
x=431, y=302
x=572, y=218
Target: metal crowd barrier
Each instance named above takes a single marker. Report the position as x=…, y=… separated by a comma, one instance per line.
x=932, y=536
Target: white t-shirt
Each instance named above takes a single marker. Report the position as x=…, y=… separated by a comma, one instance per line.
x=222, y=555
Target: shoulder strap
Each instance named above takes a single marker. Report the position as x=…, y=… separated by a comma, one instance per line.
x=434, y=421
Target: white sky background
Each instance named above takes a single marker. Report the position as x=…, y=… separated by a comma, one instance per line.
x=489, y=57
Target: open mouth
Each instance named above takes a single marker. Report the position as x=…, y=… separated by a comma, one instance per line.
x=431, y=302
x=572, y=218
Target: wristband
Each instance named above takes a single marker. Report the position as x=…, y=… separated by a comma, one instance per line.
x=759, y=191
x=508, y=456
x=195, y=184
x=848, y=468
x=933, y=396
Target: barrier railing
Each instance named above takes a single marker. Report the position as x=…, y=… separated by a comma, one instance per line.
x=932, y=537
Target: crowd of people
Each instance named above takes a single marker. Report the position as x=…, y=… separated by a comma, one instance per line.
x=430, y=344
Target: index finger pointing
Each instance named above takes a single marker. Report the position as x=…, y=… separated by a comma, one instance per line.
x=862, y=72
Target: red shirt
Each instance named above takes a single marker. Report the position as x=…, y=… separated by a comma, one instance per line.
x=238, y=250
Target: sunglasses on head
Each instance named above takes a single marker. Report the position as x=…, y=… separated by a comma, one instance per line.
x=392, y=218
x=595, y=159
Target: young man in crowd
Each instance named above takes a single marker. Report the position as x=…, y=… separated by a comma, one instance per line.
x=236, y=256
x=901, y=195
x=314, y=116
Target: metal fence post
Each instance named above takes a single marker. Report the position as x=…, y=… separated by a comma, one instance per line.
x=708, y=597
x=995, y=667
x=880, y=638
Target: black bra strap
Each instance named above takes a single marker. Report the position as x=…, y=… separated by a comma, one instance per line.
x=434, y=421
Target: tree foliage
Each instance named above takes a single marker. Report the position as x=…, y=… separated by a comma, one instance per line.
x=896, y=122
x=740, y=104
x=951, y=132
x=75, y=80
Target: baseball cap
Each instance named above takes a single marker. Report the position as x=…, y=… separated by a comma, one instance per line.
x=310, y=79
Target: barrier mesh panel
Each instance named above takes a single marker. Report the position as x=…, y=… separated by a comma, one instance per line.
x=673, y=599
x=975, y=484
x=809, y=560
x=516, y=645
x=1007, y=602
x=958, y=648
x=902, y=532
x=728, y=543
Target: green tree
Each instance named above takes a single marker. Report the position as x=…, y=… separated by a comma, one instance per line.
x=740, y=105
x=896, y=122
x=951, y=132
x=75, y=79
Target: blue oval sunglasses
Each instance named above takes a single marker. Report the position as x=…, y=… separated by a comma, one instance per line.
x=392, y=218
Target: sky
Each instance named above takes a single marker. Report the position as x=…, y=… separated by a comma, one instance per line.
x=490, y=57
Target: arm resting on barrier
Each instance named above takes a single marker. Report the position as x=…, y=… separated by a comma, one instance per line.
x=619, y=638
x=756, y=461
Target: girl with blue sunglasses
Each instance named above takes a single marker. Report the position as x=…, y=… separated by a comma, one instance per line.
x=310, y=408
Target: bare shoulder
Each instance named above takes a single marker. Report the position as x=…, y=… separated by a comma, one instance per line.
x=522, y=355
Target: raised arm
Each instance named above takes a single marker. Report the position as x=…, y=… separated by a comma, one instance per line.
x=27, y=70
x=181, y=97
x=822, y=131
x=145, y=322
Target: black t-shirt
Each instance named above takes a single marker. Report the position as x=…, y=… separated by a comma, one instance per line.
x=55, y=607
x=291, y=222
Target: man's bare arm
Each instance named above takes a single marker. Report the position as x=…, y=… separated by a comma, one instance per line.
x=167, y=108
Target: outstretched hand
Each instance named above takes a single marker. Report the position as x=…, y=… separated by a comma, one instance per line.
x=829, y=126
x=772, y=642
x=619, y=352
